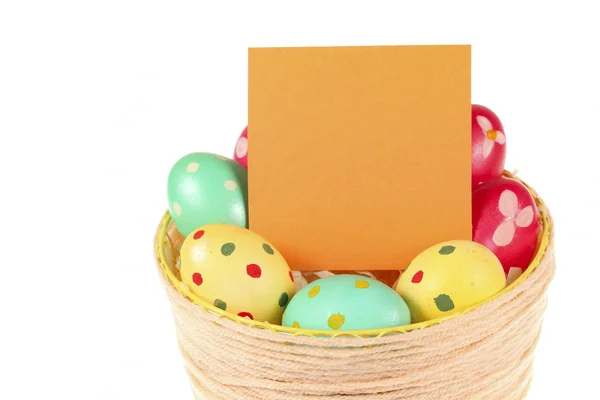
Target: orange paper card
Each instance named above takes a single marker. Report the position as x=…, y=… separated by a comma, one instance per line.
x=359, y=157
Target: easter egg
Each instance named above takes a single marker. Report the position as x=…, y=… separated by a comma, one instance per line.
x=488, y=145
x=448, y=278
x=241, y=149
x=346, y=302
x=238, y=271
x=205, y=188
x=506, y=221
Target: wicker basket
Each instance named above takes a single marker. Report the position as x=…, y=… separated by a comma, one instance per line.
x=485, y=352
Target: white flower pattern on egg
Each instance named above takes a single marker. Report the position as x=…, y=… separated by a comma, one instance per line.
x=241, y=147
x=492, y=136
x=508, y=205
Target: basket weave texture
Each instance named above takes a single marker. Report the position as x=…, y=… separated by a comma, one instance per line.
x=485, y=353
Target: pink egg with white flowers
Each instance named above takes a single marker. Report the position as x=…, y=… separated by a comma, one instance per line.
x=241, y=149
x=488, y=145
x=506, y=221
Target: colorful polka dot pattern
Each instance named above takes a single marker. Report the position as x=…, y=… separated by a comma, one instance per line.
x=346, y=302
x=220, y=304
x=204, y=241
x=445, y=250
x=360, y=284
x=444, y=303
x=192, y=167
x=418, y=277
x=284, y=299
x=197, y=278
x=230, y=185
x=253, y=271
x=227, y=249
x=177, y=208
x=204, y=189
x=336, y=321
x=268, y=249
x=450, y=277
x=314, y=291
x=245, y=314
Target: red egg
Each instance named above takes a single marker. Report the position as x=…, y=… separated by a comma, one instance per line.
x=506, y=221
x=488, y=145
x=241, y=149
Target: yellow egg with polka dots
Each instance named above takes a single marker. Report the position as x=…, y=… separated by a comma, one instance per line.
x=238, y=271
x=450, y=277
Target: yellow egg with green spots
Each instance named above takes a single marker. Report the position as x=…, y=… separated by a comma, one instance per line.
x=450, y=277
x=238, y=271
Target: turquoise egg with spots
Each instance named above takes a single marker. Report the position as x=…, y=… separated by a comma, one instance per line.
x=206, y=188
x=346, y=303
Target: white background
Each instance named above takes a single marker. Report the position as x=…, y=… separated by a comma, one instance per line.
x=99, y=98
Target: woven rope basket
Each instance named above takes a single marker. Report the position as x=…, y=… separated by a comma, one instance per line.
x=485, y=352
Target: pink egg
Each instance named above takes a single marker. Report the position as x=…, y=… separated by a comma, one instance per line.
x=506, y=221
x=488, y=145
x=241, y=149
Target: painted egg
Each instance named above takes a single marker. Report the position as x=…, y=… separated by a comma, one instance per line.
x=346, y=302
x=448, y=278
x=206, y=188
x=506, y=221
x=238, y=271
x=488, y=145
x=241, y=149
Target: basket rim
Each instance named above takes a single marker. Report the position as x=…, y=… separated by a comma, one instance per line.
x=196, y=300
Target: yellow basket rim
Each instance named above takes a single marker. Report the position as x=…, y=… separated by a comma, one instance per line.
x=180, y=287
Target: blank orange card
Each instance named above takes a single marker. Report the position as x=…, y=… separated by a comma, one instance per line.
x=359, y=157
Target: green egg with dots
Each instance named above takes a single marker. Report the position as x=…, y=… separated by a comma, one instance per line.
x=207, y=188
x=346, y=302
